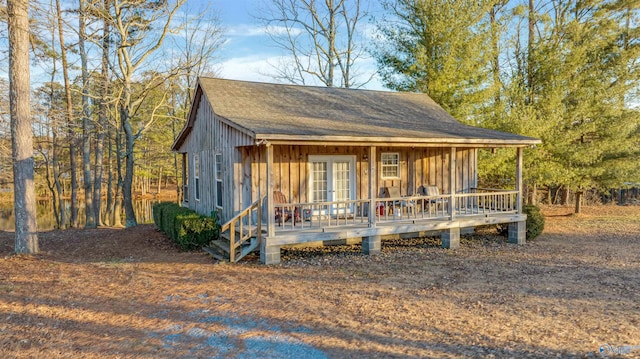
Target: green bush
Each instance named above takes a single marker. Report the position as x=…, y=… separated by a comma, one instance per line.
x=535, y=221
x=186, y=228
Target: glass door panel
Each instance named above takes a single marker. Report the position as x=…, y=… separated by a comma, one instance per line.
x=332, y=179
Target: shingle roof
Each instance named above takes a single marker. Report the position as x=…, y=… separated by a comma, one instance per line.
x=269, y=111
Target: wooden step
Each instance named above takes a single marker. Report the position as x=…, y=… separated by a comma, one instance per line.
x=216, y=253
x=245, y=229
x=222, y=244
x=248, y=248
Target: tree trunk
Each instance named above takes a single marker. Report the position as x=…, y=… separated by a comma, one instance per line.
x=89, y=215
x=564, y=200
x=117, y=202
x=495, y=58
x=52, y=180
x=108, y=215
x=533, y=200
x=26, y=232
x=530, y=69
x=101, y=128
x=70, y=131
x=127, y=185
x=578, y=201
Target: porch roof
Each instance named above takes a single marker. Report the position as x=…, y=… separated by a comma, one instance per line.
x=300, y=114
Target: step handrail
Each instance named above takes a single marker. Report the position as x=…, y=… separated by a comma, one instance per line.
x=237, y=220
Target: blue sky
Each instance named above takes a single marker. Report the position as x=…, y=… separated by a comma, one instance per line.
x=248, y=53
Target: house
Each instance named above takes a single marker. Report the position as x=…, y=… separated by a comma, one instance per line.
x=286, y=164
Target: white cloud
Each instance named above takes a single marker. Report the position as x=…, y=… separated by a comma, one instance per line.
x=249, y=68
x=247, y=30
x=260, y=68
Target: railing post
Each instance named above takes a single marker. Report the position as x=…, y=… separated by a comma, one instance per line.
x=373, y=179
x=519, y=180
x=452, y=183
x=232, y=242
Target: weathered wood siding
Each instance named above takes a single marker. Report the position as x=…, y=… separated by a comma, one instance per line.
x=418, y=166
x=210, y=136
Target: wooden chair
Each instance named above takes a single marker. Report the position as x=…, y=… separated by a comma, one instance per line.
x=431, y=191
x=392, y=192
x=283, y=213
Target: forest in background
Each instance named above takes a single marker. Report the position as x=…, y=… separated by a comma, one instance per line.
x=120, y=80
x=564, y=71
x=121, y=75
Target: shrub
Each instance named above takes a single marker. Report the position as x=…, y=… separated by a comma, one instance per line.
x=535, y=221
x=186, y=228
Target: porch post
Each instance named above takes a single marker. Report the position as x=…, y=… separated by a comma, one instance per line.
x=271, y=222
x=269, y=254
x=373, y=177
x=372, y=244
x=519, y=180
x=517, y=232
x=452, y=183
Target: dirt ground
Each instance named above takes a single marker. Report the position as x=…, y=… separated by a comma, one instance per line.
x=127, y=293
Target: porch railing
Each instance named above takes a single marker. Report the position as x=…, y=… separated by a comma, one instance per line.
x=320, y=215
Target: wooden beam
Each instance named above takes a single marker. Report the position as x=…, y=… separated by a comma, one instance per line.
x=519, y=179
x=271, y=222
x=390, y=142
x=373, y=184
x=452, y=182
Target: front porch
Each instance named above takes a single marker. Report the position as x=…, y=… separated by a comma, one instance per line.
x=413, y=216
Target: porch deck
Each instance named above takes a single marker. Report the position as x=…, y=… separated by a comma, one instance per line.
x=368, y=219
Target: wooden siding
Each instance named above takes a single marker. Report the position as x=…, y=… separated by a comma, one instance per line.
x=418, y=167
x=211, y=136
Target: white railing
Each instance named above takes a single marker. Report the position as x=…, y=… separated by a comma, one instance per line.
x=320, y=215
x=496, y=201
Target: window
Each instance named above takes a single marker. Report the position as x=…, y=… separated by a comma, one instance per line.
x=196, y=176
x=185, y=178
x=390, y=165
x=219, y=180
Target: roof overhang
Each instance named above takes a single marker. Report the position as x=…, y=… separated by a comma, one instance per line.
x=276, y=139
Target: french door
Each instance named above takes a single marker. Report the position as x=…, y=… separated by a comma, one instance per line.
x=332, y=179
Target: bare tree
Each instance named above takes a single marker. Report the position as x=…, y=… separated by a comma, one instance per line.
x=321, y=37
x=90, y=218
x=73, y=219
x=102, y=120
x=26, y=234
x=134, y=23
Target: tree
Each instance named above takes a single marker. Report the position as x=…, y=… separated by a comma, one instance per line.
x=438, y=47
x=26, y=236
x=90, y=216
x=137, y=38
x=321, y=37
x=563, y=71
x=101, y=129
x=71, y=137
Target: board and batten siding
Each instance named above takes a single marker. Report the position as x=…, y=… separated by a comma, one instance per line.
x=209, y=136
x=418, y=167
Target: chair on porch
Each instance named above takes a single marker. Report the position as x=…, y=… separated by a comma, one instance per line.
x=431, y=191
x=394, y=206
x=283, y=210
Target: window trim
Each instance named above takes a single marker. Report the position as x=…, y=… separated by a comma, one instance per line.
x=196, y=176
x=219, y=167
x=383, y=165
